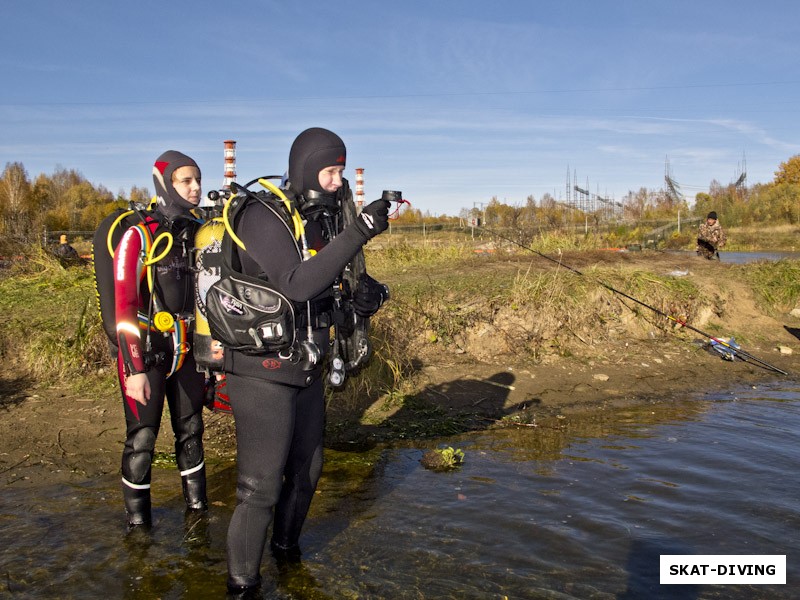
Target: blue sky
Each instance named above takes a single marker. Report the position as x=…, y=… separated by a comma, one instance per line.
x=452, y=102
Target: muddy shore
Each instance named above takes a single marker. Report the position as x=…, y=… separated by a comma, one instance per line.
x=49, y=435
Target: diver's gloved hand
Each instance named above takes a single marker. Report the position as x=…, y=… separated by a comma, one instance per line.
x=374, y=219
x=369, y=296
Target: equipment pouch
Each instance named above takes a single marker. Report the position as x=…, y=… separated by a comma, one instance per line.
x=247, y=314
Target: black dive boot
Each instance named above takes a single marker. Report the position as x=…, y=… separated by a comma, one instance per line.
x=285, y=555
x=243, y=588
x=137, y=507
x=194, y=490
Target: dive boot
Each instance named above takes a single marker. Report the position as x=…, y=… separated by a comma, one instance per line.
x=194, y=489
x=243, y=588
x=137, y=507
x=285, y=555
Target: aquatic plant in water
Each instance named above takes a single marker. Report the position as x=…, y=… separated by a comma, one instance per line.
x=442, y=459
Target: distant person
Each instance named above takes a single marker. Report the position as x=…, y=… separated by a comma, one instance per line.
x=65, y=252
x=710, y=237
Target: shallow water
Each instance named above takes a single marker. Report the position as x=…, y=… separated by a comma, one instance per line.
x=741, y=258
x=578, y=509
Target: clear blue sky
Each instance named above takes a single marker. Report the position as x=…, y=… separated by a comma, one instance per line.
x=452, y=102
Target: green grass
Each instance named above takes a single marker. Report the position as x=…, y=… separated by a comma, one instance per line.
x=52, y=330
x=777, y=284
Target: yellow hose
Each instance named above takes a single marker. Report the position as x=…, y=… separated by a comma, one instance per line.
x=150, y=260
x=299, y=229
x=228, y=226
x=111, y=231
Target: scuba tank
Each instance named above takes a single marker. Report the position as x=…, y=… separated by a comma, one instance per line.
x=210, y=265
x=208, y=352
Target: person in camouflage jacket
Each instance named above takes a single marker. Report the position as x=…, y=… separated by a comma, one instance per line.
x=710, y=237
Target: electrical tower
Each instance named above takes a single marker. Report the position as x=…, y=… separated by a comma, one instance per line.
x=673, y=189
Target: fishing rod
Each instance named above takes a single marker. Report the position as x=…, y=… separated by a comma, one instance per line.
x=637, y=301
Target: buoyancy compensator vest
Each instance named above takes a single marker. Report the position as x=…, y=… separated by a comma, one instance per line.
x=104, y=243
x=234, y=310
x=157, y=241
x=228, y=318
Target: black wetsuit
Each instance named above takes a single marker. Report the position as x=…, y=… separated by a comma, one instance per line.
x=172, y=376
x=277, y=405
x=182, y=390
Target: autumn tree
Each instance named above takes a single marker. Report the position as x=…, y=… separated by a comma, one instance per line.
x=789, y=171
x=138, y=194
x=14, y=201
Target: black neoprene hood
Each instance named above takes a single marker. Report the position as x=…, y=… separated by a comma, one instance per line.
x=313, y=150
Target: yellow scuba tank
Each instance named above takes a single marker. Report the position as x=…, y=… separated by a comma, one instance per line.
x=208, y=352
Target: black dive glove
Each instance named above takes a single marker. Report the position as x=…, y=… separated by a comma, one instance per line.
x=369, y=296
x=374, y=219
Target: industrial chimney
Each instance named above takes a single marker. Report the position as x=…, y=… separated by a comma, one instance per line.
x=359, y=189
x=230, y=164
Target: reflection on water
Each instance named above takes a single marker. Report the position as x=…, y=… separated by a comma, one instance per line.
x=577, y=508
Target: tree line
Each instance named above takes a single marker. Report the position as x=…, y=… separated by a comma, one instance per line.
x=66, y=201
x=773, y=203
x=63, y=201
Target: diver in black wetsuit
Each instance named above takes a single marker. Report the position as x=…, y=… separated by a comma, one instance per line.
x=278, y=403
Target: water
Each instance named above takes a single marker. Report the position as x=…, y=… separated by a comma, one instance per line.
x=581, y=508
x=741, y=258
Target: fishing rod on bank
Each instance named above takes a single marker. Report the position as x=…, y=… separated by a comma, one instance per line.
x=637, y=301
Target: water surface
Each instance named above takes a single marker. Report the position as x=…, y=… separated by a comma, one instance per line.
x=580, y=508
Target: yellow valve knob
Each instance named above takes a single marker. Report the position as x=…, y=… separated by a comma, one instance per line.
x=163, y=321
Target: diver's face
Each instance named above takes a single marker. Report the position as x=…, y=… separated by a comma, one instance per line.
x=186, y=181
x=330, y=178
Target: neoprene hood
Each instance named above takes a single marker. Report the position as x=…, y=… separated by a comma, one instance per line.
x=313, y=150
x=170, y=202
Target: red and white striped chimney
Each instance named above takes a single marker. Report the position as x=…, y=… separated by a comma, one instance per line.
x=359, y=188
x=230, y=164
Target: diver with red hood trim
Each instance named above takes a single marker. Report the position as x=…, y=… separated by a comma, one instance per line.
x=154, y=304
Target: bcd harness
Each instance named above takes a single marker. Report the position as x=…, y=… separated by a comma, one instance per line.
x=247, y=313
x=157, y=319
x=250, y=315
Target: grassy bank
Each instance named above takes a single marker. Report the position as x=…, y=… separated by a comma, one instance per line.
x=457, y=298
